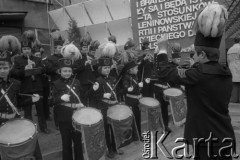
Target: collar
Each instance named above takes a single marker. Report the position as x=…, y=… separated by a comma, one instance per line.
x=213, y=67
x=7, y=81
x=66, y=80
x=30, y=57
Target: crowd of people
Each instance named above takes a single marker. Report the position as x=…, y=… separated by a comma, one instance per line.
x=75, y=77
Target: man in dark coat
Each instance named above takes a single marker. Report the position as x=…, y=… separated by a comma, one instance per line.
x=208, y=90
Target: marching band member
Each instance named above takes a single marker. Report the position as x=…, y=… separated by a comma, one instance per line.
x=132, y=88
x=28, y=70
x=66, y=98
x=145, y=69
x=38, y=52
x=208, y=88
x=103, y=91
x=52, y=67
x=161, y=85
x=10, y=87
x=86, y=68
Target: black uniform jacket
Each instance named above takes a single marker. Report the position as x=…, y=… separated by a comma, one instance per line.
x=104, y=88
x=28, y=84
x=12, y=94
x=60, y=88
x=52, y=66
x=208, y=91
x=86, y=74
x=130, y=80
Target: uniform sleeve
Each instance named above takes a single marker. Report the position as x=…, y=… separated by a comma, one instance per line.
x=169, y=73
x=56, y=95
x=126, y=83
x=17, y=71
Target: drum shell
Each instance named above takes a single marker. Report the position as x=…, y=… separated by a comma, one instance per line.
x=151, y=116
x=19, y=150
x=93, y=137
x=122, y=130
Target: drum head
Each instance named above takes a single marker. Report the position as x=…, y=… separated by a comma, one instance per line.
x=119, y=112
x=172, y=92
x=16, y=131
x=149, y=101
x=87, y=116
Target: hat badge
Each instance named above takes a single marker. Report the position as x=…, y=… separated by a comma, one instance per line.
x=25, y=43
x=106, y=62
x=67, y=62
x=3, y=54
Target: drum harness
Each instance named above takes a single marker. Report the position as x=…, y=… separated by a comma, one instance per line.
x=72, y=105
x=4, y=94
x=112, y=90
x=134, y=96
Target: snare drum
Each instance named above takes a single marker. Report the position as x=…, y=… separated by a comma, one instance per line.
x=177, y=104
x=120, y=117
x=18, y=138
x=150, y=114
x=173, y=92
x=89, y=122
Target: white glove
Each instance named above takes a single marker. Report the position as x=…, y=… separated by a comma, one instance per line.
x=130, y=89
x=147, y=80
x=95, y=86
x=140, y=84
x=27, y=67
x=65, y=97
x=183, y=87
x=107, y=95
x=87, y=62
x=79, y=105
x=35, y=98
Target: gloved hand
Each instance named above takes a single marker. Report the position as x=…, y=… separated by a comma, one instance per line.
x=79, y=105
x=95, y=86
x=130, y=89
x=147, y=80
x=140, y=84
x=35, y=98
x=107, y=95
x=87, y=62
x=27, y=67
x=65, y=97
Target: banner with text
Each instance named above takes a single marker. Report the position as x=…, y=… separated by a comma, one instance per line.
x=153, y=18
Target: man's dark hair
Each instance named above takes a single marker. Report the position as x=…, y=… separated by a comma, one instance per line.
x=211, y=53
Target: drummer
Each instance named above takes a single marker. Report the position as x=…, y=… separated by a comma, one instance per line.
x=105, y=96
x=132, y=88
x=9, y=100
x=66, y=93
x=9, y=90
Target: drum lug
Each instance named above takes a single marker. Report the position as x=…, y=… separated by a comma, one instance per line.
x=9, y=144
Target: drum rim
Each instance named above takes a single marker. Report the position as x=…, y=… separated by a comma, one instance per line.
x=88, y=124
x=21, y=143
x=121, y=119
x=148, y=106
x=173, y=88
x=122, y=105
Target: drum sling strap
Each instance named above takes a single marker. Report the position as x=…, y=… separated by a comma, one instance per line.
x=9, y=102
x=75, y=94
x=114, y=94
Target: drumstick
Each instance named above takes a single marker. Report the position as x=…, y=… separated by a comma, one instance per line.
x=6, y=91
x=142, y=74
x=91, y=82
x=28, y=95
x=168, y=85
x=72, y=84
